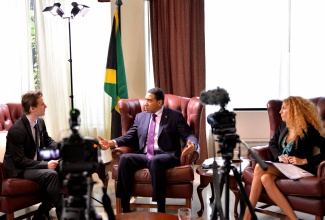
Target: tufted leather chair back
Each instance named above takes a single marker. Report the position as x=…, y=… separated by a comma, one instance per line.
x=5, y=120
x=9, y=114
x=15, y=110
x=274, y=107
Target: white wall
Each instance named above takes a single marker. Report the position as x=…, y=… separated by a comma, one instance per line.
x=253, y=126
x=132, y=26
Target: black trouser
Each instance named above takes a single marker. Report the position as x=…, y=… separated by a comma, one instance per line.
x=50, y=180
x=127, y=166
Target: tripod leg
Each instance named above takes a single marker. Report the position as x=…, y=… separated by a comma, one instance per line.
x=212, y=193
x=217, y=207
x=243, y=194
x=225, y=181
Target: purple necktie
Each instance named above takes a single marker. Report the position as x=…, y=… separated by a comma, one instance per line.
x=151, y=135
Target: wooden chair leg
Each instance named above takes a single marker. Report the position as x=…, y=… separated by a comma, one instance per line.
x=102, y=173
x=10, y=216
x=118, y=206
x=188, y=203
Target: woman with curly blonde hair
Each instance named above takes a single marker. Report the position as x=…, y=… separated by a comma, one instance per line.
x=300, y=131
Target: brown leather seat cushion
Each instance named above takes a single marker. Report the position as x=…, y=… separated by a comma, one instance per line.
x=16, y=186
x=174, y=175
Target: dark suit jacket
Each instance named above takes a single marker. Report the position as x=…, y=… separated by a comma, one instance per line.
x=172, y=129
x=21, y=147
x=304, y=148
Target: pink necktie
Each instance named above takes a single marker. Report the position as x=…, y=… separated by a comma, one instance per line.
x=151, y=134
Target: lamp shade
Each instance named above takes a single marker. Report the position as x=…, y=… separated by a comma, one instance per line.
x=54, y=10
x=78, y=9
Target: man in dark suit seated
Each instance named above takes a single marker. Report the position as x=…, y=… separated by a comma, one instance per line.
x=22, y=158
x=156, y=134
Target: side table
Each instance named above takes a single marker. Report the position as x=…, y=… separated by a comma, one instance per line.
x=206, y=178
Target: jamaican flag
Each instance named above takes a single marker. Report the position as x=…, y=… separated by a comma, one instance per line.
x=115, y=79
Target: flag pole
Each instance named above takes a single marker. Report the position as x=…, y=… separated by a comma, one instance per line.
x=119, y=3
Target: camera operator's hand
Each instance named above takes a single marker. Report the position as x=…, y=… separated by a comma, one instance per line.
x=105, y=144
x=52, y=164
x=189, y=149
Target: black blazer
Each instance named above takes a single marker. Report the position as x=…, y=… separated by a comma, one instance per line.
x=303, y=150
x=172, y=129
x=21, y=147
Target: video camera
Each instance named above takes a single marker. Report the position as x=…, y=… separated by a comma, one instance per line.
x=78, y=154
x=223, y=122
x=79, y=158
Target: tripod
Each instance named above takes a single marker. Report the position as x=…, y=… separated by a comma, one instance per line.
x=227, y=144
x=78, y=205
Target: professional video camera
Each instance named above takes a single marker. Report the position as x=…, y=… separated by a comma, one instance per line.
x=78, y=154
x=223, y=125
x=223, y=122
x=79, y=158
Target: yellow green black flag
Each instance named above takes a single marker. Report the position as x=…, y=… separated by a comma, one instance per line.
x=115, y=79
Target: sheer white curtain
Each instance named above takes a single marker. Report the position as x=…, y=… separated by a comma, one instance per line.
x=265, y=49
x=307, y=55
x=89, y=40
x=16, y=55
x=247, y=49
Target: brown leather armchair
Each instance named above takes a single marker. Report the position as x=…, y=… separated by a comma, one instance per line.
x=179, y=179
x=308, y=190
x=15, y=193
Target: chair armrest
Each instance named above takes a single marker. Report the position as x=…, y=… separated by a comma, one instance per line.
x=321, y=170
x=262, y=151
x=117, y=152
x=189, y=159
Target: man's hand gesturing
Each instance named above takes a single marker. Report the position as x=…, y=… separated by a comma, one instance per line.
x=105, y=144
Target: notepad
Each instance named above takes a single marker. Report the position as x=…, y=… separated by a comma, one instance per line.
x=291, y=171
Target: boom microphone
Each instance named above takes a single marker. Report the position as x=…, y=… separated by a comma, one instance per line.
x=217, y=96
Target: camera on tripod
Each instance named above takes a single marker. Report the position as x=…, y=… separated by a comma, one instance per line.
x=223, y=122
x=79, y=158
x=78, y=154
x=223, y=125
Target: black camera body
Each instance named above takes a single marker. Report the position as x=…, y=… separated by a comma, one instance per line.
x=79, y=154
x=223, y=122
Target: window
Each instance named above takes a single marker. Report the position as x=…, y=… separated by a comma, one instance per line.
x=265, y=49
x=34, y=47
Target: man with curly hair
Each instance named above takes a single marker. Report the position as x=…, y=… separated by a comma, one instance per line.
x=300, y=131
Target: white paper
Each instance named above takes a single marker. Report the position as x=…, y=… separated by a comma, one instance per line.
x=291, y=171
